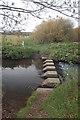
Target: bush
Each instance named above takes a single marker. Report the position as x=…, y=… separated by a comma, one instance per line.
x=53, y=31
x=18, y=52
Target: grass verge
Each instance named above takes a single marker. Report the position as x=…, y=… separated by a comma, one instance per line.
x=62, y=102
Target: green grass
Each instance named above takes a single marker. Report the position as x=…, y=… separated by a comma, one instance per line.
x=23, y=111
x=62, y=102
x=65, y=51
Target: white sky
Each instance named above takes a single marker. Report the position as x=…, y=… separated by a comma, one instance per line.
x=32, y=22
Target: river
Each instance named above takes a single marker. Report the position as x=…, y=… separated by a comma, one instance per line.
x=21, y=77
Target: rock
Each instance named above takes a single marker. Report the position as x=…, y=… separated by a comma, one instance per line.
x=44, y=58
x=50, y=61
x=50, y=74
x=49, y=68
x=44, y=90
x=49, y=82
x=48, y=64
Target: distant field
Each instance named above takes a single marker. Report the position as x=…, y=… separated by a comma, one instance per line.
x=11, y=38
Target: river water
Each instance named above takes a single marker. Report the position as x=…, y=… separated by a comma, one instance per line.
x=67, y=71
x=20, y=78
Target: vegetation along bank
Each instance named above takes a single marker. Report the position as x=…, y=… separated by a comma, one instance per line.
x=65, y=51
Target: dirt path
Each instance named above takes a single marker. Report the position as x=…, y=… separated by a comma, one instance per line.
x=34, y=112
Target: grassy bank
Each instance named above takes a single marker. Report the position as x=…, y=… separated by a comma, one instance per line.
x=65, y=51
x=62, y=102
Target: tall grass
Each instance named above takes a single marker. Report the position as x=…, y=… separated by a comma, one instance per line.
x=62, y=102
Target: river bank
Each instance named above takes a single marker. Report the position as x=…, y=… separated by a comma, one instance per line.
x=61, y=102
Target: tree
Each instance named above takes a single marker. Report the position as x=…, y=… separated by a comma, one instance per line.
x=53, y=31
x=36, y=8
x=76, y=34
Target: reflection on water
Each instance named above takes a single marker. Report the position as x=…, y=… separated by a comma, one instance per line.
x=18, y=63
x=19, y=79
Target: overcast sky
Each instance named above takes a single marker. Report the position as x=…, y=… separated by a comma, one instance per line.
x=31, y=23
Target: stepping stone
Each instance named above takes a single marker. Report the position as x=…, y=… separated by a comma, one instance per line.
x=48, y=64
x=50, y=74
x=44, y=90
x=48, y=68
x=44, y=58
x=49, y=82
x=50, y=61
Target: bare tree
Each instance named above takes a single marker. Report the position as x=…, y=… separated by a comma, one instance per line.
x=36, y=8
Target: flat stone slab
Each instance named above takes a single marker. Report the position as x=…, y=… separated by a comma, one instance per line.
x=44, y=90
x=50, y=82
x=48, y=64
x=47, y=68
x=44, y=58
x=50, y=61
x=50, y=74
